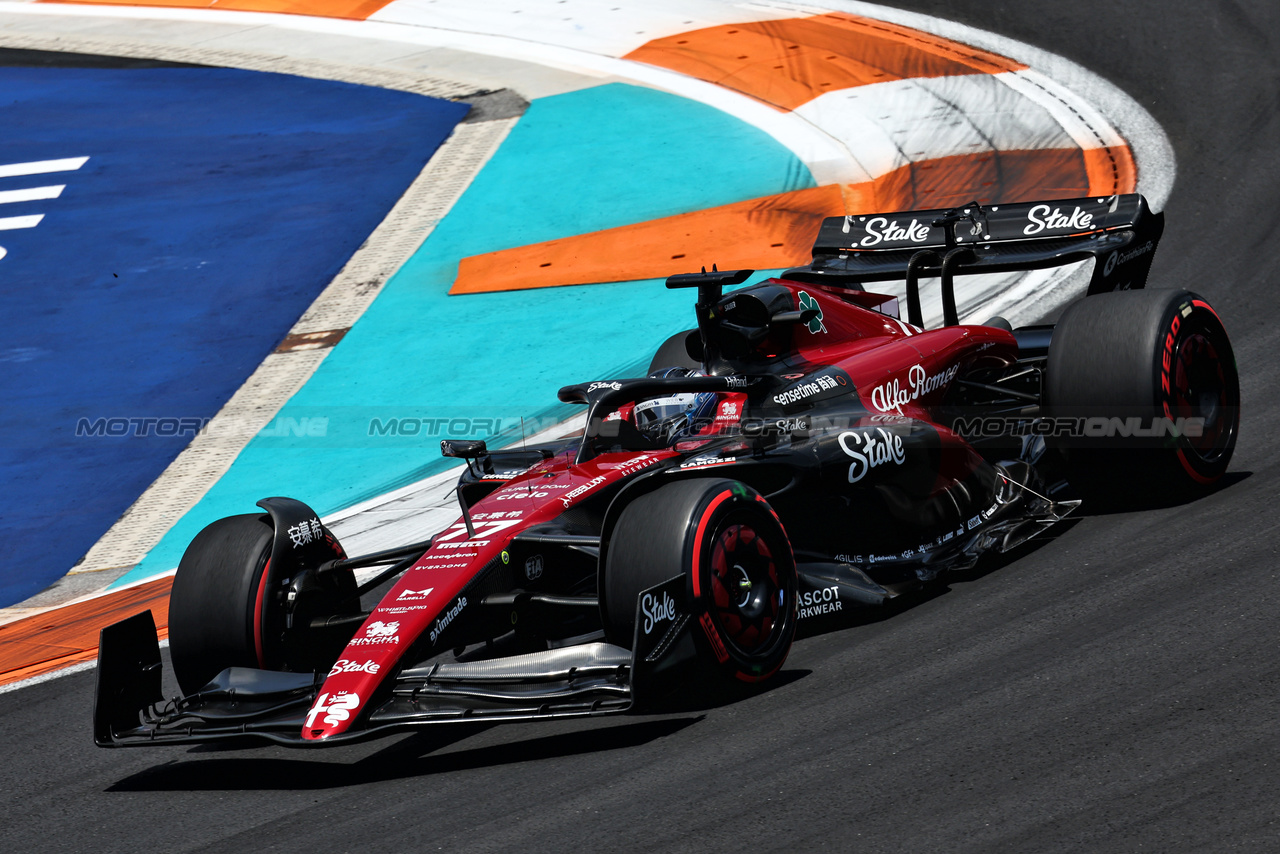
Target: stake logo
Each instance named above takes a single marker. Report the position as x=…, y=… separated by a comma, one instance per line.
x=1041, y=218
x=656, y=611
x=880, y=229
x=870, y=450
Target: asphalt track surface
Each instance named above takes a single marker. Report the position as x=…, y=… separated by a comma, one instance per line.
x=1115, y=689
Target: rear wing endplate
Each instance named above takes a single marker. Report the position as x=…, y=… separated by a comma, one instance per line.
x=1120, y=232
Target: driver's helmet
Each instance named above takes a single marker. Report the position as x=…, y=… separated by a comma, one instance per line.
x=663, y=420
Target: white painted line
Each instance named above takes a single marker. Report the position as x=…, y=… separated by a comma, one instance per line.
x=893, y=124
x=32, y=194
x=49, y=677
x=1080, y=119
x=42, y=167
x=1065, y=86
x=613, y=29
x=57, y=674
x=9, y=223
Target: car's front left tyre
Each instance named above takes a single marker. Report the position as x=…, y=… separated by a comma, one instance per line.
x=227, y=607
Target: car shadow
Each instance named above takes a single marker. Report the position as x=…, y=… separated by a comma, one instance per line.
x=1128, y=502
x=414, y=756
x=989, y=563
x=995, y=562
x=705, y=692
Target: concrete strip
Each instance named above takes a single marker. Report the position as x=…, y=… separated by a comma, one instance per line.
x=197, y=468
x=252, y=408
x=1063, y=86
x=919, y=119
x=614, y=28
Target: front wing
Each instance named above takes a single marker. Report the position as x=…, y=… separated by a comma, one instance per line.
x=575, y=681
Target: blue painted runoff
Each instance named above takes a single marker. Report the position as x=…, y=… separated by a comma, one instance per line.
x=214, y=206
x=421, y=365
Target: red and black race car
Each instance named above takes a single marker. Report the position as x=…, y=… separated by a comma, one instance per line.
x=802, y=453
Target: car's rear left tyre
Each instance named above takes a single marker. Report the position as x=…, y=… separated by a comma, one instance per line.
x=1158, y=361
x=739, y=569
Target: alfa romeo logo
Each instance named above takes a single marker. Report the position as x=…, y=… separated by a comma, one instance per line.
x=807, y=302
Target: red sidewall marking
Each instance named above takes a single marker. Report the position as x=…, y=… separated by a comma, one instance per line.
x=257, y=614
x=1199, y=303
x=697, y=539
x=708, y=625
x=1166, y=370
x=1195, y=475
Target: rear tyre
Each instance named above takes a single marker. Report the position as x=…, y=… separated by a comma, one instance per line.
x=739, y=568
x=1163, y=358
x=674, y=353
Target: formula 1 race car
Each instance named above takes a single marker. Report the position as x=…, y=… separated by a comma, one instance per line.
x=802, y=453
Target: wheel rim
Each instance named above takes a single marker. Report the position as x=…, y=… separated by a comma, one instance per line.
x=1201, y=390
x=746, y=588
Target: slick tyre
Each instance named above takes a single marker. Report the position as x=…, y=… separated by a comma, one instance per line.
x=218, y=608
x=739, y=569
x=674, y=353
x=1153, y=376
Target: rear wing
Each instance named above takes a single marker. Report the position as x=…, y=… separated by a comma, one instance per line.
x=1120, y=232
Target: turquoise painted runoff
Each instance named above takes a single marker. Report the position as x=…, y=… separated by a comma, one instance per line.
x=421, y=365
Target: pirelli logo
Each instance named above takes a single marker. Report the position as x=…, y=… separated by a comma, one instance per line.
x=717, y=645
